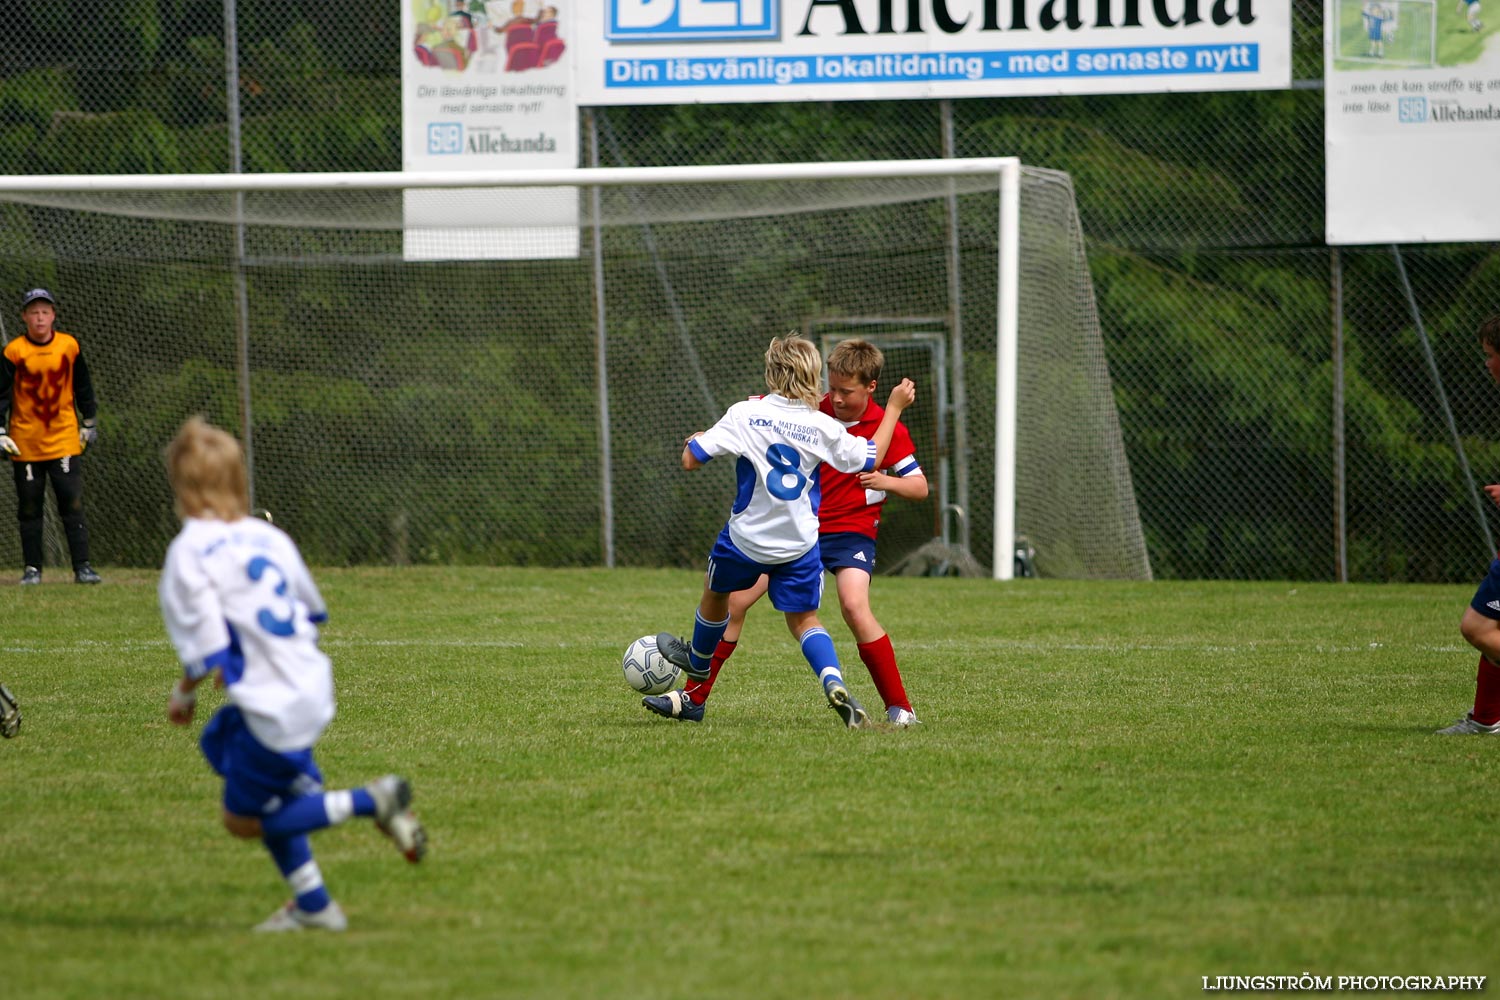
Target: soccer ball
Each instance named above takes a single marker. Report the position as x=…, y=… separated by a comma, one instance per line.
x=646, y=669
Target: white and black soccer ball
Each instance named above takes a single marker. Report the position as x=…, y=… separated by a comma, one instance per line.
x=646, y=669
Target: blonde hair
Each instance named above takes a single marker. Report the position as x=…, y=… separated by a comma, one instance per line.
x=206, y=468
x=856, y=359
x=794, y=369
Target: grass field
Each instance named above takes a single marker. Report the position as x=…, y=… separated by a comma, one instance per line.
x=1118, y=790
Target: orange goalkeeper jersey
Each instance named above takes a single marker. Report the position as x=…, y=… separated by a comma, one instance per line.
x=47, y=382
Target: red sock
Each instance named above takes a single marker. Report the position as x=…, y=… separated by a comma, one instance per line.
x=1487, y=693
x=880, y=658
x=697, y=691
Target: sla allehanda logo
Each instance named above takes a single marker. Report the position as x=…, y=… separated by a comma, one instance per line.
x=444, y=138
x=1414, y=109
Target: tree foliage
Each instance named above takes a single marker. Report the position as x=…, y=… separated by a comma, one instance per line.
x=1203, y=215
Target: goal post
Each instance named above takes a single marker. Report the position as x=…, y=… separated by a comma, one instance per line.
x=682, y=275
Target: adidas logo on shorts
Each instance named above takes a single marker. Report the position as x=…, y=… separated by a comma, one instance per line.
x=1493, y=605
x=860, y=556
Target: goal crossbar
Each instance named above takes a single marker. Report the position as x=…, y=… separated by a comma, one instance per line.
x=580, y=177
x=1006, y=171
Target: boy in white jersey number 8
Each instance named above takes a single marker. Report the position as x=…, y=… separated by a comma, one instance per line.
x=848, y=522
x=772, y=529
x=239, y=604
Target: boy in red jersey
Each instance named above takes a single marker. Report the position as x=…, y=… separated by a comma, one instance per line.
x=848, y=521
x=1481, y=621
x=47, y=419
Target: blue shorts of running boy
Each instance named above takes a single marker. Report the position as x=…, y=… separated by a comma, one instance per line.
x=840, y=549
x=795, y=586
x=1487, y=598
x=257, y=780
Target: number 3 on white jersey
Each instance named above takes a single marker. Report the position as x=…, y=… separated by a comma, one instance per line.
x=268, y=620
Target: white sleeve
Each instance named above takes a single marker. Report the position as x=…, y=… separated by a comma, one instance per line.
x=192, y=612
x=849, y=453
x=723, y=438
x=304, y=589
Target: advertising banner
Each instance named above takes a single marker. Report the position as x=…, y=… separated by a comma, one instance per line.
x=692, y=51
x=488, y=86
x=1411, y=122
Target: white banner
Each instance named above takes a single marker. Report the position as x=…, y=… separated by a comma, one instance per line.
x=689, y=51
x=487, y=86
x=1412, y=121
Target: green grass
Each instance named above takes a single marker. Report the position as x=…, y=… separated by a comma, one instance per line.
x=1118, y=790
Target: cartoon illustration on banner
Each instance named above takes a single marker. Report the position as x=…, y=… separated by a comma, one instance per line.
x=466, y=35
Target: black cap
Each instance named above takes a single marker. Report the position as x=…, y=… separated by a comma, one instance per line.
x=37, y=295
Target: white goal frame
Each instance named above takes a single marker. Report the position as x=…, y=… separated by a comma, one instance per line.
x=1005, y=170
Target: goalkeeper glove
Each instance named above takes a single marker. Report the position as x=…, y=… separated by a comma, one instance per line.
x=88, y=432
x=8, y=445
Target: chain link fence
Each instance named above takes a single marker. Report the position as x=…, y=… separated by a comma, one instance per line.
x=1289, y=411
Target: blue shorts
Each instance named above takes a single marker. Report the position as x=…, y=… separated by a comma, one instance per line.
x=839, y=549
x=795, y=586
x=1487, y=598
x=257, y=780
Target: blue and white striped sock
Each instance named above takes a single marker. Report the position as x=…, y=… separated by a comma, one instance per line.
x=817, y=648
x=706, y=636
x=308, y=813
x=293, y=857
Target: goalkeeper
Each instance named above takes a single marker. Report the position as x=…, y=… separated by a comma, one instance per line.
x=848, y=522
x=43, y=380
x=240, y=605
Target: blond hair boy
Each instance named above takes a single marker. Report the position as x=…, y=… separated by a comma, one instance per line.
x=240, y=606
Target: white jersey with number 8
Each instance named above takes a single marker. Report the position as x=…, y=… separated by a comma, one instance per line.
x=780, y=443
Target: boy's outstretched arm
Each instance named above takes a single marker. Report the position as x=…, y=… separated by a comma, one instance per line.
x=902, y=396
x=913, y=487
x=690, y=459
x=183, y=699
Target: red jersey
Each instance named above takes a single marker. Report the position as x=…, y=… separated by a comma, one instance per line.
x=848, y=506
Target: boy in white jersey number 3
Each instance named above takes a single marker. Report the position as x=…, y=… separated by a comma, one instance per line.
x=239, y=603
x=779, y=440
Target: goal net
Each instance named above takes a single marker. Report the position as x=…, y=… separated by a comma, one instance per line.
x=531, y=411
x=1386, y=32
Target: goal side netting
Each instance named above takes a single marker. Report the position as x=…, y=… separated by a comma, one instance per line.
x=531, y=410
